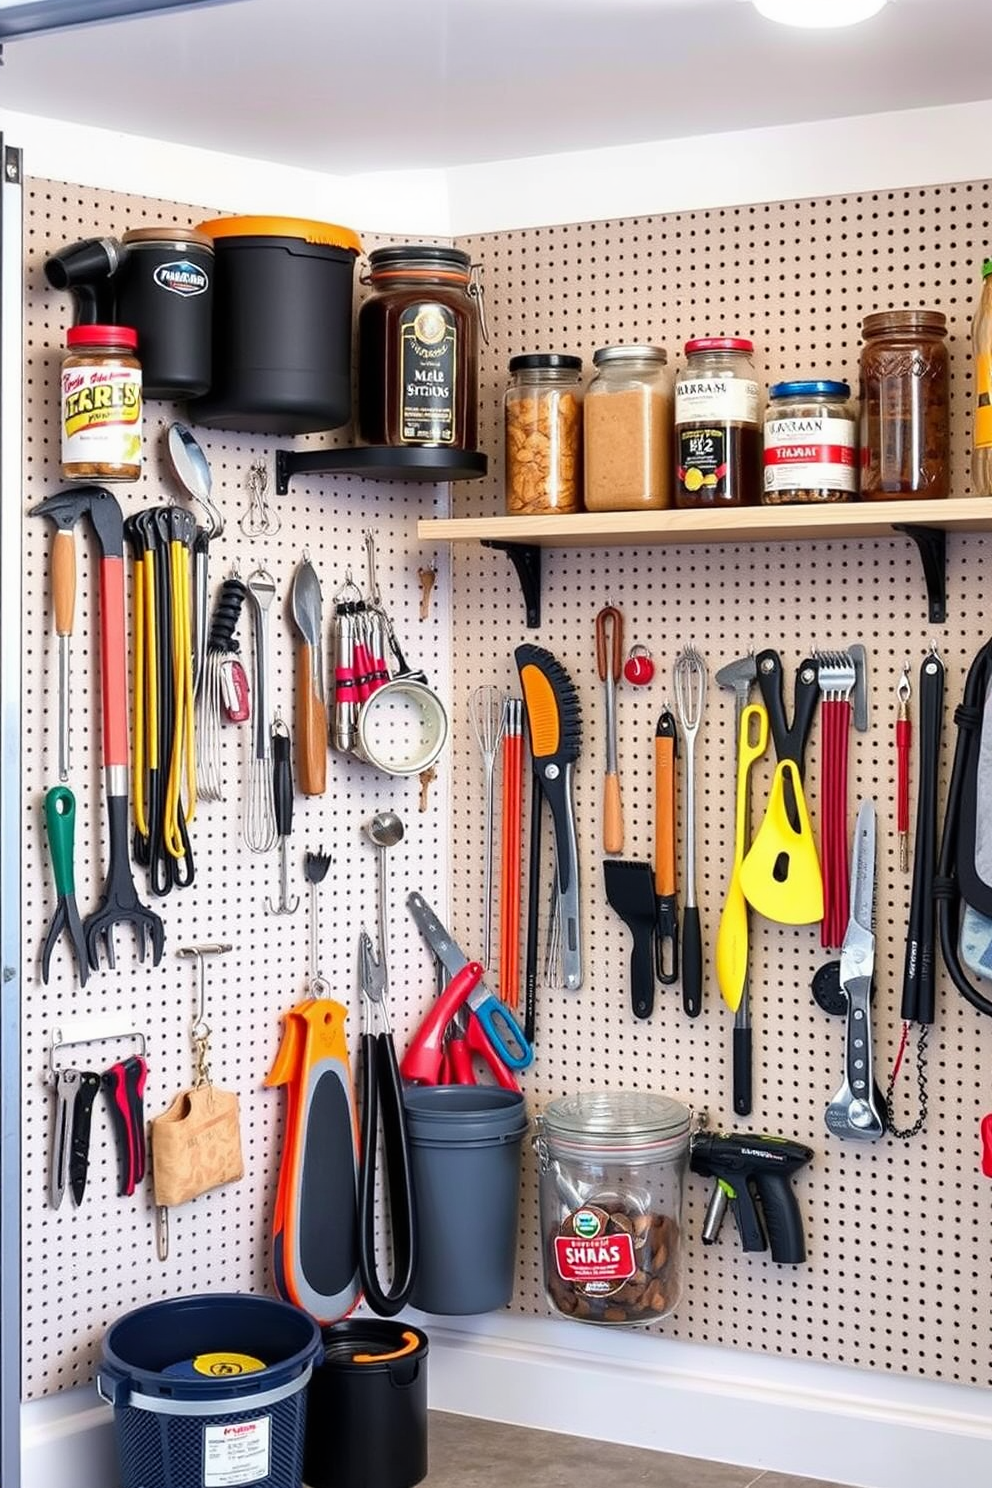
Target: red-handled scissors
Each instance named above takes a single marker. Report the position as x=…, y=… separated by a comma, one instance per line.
x=467, y=1037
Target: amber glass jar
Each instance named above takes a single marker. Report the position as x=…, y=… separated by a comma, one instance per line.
x=718, y=424
x=101, y=404
x=418, y=349
x=905, y=389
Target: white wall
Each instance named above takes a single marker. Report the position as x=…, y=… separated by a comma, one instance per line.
x=848, y=1425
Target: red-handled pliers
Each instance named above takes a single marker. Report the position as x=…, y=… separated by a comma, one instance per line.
x=425, y=1055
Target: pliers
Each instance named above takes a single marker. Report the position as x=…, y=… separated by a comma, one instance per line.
x=382, y=1092
x=60, y=819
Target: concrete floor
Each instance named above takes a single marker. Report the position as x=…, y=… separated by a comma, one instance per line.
x=466, y=1453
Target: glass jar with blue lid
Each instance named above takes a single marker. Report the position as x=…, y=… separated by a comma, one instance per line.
x=811, y=439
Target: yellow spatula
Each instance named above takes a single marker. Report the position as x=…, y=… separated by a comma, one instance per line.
x=732, y=937
x=780, y=875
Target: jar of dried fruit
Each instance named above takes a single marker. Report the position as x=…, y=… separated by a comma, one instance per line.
x=543, y=424
x=628, y=431
x=613, y=1166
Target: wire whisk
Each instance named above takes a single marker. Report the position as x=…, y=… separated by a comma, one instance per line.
x=488, y=707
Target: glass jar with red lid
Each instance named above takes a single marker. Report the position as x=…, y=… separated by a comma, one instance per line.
x=718, y=424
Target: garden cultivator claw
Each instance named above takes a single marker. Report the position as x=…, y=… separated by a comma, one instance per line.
x=120, y=904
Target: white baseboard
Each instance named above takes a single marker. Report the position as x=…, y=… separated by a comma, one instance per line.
x=783, y=1415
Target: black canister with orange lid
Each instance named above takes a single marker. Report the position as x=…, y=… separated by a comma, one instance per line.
x=281, y=360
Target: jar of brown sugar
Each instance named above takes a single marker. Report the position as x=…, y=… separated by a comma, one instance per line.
x=101, y=404
x=543, y=427
x=627, y=419
x=905, y=390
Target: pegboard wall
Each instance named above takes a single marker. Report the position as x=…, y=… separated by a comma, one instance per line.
x=899, y=1233
x=83, y=1267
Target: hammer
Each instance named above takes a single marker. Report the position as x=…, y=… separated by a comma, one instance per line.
x=64, y=511
x=120, y=904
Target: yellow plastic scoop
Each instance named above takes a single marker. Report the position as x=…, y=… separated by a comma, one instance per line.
x=732, y=936
x=780, y=876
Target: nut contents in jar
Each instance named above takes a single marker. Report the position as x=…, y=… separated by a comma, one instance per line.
x=612, y=1171
x=717, y=424
x=905, y=394
x=810, y=443
x=628, y=431
x=101, y=404
x=542, y=411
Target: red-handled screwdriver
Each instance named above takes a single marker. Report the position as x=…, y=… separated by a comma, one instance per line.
x=903, y=737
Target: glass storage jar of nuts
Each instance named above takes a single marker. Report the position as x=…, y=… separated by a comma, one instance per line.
x=810, y=443
x=543, y=424
x=613, y=1166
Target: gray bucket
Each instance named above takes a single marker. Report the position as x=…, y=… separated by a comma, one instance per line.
x=465, y=1149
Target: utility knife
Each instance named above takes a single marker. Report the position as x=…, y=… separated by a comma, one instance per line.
x=82, y=1115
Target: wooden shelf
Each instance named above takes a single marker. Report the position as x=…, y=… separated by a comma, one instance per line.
x=926, y=523
x=736, y=525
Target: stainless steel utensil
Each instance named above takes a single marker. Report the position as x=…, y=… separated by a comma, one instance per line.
x=488, y=706
x=259, y=828
x=384, y=831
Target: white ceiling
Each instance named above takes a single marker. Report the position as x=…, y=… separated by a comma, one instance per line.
x=404, y=84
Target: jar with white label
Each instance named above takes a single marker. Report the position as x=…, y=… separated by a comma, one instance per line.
x=613, y=1167
x=810, y=443
x=718, y=424
x=101, y=404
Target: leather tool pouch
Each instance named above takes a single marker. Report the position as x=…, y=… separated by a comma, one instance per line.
x=196, y=1144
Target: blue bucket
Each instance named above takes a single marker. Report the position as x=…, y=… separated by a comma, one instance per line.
x=178, y=1428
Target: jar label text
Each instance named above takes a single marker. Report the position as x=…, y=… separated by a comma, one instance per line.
x=734, y=399
x=427, y=369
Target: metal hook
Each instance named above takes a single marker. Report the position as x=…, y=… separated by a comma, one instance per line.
x=200, y=1032
x=375, y=598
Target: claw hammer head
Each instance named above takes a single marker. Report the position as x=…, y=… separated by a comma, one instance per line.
x=96, y=502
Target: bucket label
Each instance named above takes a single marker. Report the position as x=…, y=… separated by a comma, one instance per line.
x=428, y=366
x=182, y=278
x=594, y=1251
x=237, y=1453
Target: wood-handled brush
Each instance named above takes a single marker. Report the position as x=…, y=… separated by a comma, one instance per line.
x=554, y=724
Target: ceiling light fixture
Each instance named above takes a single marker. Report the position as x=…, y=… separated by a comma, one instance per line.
x=29, y=17
x=818, y=14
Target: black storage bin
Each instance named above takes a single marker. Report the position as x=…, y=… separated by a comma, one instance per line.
x=282, y=333
x=164, y=290
x=367, y=1408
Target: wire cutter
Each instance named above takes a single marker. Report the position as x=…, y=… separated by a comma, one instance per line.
x=382, y=1096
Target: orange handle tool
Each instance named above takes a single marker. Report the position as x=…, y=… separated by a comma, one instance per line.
x=311, y=727
x=609, y=664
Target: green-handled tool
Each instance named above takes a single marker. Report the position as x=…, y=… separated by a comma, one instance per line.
x=60, y=819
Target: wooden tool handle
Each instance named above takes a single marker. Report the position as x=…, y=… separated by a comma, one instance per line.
x=612, y=815
x=64, y=581
x=311, y=729
x=664, y=817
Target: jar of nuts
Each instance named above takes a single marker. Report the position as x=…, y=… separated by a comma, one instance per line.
x=811, y=441
x=613, y=1167
x=543, y=422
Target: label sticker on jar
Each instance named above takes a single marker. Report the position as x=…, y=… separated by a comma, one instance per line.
x=428, y=370
x=101, y=415
x=734, y=399
x=594, y=1251
x=702, y=459
x=804, y=453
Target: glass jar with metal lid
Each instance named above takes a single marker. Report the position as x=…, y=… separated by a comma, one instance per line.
x=810, y=443
x=905, y=406
x=628, y=430
x=613, y=1167
x=418, y=349
x=718, y=424
x=542, y=418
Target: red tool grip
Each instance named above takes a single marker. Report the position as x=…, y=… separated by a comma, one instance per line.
x=422, y=1060
x=903, y=730
x=459, y=1062
x=113, y=661
x=987, y=1145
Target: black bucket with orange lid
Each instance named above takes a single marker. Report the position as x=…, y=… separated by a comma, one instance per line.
x=282, y=331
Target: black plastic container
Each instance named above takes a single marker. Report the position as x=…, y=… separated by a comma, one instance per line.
x=282, y=332
x=164, y=289
x=367, y=1409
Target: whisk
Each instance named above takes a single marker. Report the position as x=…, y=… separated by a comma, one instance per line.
x=689, y=675
x=488, y=709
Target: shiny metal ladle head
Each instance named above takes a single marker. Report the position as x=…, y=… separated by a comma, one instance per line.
x=385, y=829
x=192, y=471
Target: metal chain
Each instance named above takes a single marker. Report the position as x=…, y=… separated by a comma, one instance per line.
x=201, y=1055
x=904, y=1133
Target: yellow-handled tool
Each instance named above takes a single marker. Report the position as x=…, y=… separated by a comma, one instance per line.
x=732, y=936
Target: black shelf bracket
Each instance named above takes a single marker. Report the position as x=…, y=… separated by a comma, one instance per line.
x=526, y=559
x=932, y=545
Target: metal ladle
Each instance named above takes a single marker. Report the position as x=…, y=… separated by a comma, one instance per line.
x=385, y=830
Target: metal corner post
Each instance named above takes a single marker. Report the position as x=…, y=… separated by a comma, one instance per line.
x=11, y=508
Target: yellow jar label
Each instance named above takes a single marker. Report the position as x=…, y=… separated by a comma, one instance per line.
x=983, y=400
x=101, y=414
